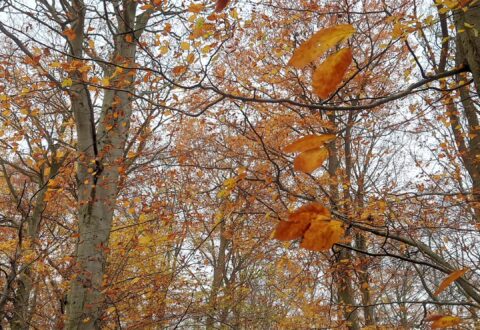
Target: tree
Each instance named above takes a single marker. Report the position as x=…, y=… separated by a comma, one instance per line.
x=179, y=120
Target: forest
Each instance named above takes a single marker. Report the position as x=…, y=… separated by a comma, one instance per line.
x=239, y=164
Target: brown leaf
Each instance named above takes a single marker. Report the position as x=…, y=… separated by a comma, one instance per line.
x=450, y=279
x=309, y=142
x=330, y=73
x=220, y=5
x=310, y=160
x=319, y=43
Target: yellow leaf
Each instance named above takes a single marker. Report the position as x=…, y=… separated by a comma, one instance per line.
x=319, y=43
x=330, y=73
x=446, y=321
x=163, y=50
x=234, y=13
x=309, y=142
x=145, y=240
x=67, y=82
x=55, y=65
x=450, y=279
x=185, y=45
x=310, y=160
x=105, y=82
x=322, y=235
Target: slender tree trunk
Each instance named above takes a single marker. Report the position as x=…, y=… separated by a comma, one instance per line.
x=342, y=275
x=22, y=303
x=218, y=274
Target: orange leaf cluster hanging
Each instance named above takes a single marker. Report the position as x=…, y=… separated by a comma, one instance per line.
x=330, y=73
x=311, y=222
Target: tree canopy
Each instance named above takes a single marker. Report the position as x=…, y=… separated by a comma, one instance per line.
x=245, y=164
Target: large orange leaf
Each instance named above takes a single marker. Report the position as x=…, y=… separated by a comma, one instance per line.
x=330, y=73
x=310, y=160
x=450, y=279
x=299, y=221
x=445, y=322
x=309, y=142
x=289, y=230
x=319, y=43
x=322, y=235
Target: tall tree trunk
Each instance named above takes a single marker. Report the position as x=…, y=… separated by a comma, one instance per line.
x=342, y=275
x=357, y=204
x=218, y=275
x=22, y=306
x=101, y=152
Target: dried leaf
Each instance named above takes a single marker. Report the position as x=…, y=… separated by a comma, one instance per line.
x=450, y=279
x=310, y=160
x=310, y=210
x=446, y=321
x=330, y=73
x=322, y=235
x=299, y=221
x=319, y=43
x=309, y=142
x=289, y=230
x=220, y=5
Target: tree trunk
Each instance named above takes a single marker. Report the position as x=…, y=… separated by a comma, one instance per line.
x=342, y=275
x=218, y=274
x=101, y=152
x=22, y=305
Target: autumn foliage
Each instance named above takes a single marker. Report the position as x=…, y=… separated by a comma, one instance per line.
x=237, y=164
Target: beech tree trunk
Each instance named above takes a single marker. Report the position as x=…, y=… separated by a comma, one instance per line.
x=22, y=303
x=101, y=152
x=218, y=274
x=343, y=278
x=467, y=52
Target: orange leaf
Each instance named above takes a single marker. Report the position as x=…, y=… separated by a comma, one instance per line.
x=220, y=5
x=299, y=221
x=70, y=34
x=330, y=73
x=288, y=230
x=178, y=70
x=322, y=235
x=319, y=43
x=309, y=142
x=310, y=160
x=445, y=322
x=196, y=8
x=311, y=211
x=450, y=279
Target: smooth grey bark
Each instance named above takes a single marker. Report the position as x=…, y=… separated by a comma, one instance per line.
x=101, y=151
